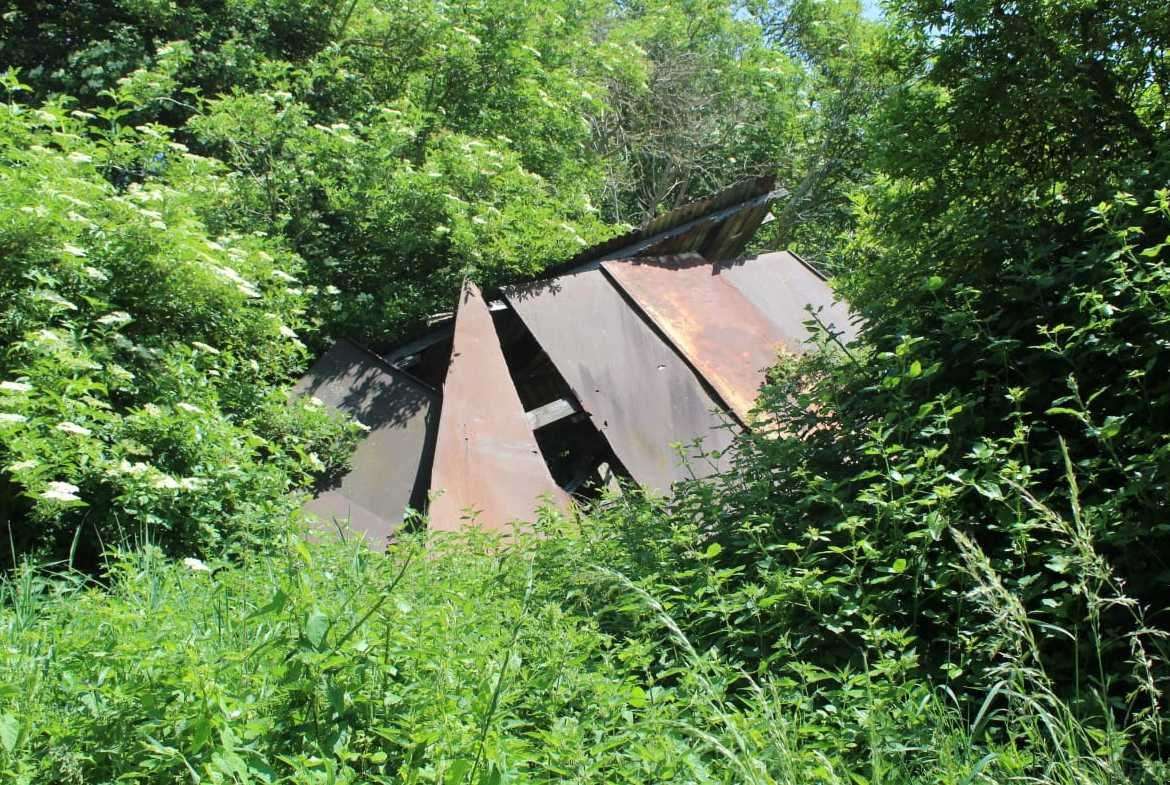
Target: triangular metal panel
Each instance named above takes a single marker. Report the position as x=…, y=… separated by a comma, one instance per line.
x=488, y=469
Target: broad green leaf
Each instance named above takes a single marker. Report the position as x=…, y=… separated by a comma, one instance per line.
x=315, y=628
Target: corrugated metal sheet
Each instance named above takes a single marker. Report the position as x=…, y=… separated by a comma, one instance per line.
x=639, y=393
x=488, y=469
x=685, y=227
x=780, y=285
x=391, y=466
x=718, y=330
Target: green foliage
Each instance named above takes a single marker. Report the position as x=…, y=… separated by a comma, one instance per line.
x=976, y=491
x=457, y=663
x=940, y=556
x=142, y=357
x=399, y=147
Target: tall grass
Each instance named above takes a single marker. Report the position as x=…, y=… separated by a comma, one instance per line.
x=334, y=664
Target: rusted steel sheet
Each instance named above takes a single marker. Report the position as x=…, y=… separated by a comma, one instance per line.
x=488, y=469
x=392, y=463
x=639, y=393
x=780, y=285
x=718, y=330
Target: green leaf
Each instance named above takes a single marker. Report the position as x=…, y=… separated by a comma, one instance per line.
x=9, y=732
x=934, y=283
x=899, y=566
x=275, y=605
x=315, y=628
x=458, y=771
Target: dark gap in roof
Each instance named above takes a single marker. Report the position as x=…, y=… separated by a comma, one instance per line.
x=572, y=446
x=430, y=365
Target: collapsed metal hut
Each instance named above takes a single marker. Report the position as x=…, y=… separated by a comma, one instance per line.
x=639, y=358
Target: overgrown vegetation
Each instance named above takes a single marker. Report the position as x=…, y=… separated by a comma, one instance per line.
x=940, y=556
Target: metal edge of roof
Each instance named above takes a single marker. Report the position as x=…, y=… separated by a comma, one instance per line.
x=730, y=200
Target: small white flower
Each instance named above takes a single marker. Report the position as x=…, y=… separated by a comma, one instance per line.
x=287, y=331
x=160, y=225
x=191, y=483
x=73, y=250
x=166, y=482
x=80, y=158
x=115, y=318
x=188, y=407
x=21, y=466
x=313, y=402
x=95, y=273
x=282, y=275
x=16, y=387
x=61, y=492
x=10, y=417
x=152, y=410
x=196, y=565
x=332, y=290
x=73, y=428
x=204, y=347
x=136, y=468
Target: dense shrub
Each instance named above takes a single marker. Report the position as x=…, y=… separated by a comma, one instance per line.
x=141, y=353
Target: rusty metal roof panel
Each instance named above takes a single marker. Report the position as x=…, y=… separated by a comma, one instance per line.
x=638, y=391
x=488, y=468
x=709, y=321
x=390, y=467
x=780, y=285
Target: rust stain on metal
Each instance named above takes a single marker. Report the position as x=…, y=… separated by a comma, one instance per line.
x=780, y=285
x=718, y=330
x=637, y=390
x=391, y=466
x=487, y=467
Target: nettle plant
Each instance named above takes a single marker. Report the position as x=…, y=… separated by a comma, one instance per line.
x=143, y=363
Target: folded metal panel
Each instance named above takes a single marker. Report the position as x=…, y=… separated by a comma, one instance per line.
x=636, y=388
x=781, y=286
x=390, y=468
x=709, y=321
x=488, y=470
